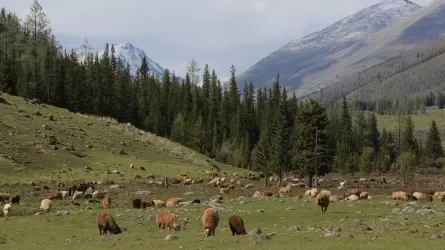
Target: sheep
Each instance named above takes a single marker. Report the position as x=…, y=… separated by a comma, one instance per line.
x=98, y=195
x=159, y=203
x=322, y=200
x=137, y=203
x=236, y=225
x=77, y=195
x=7, y=209
x=326, y=192
x=353, y=197
x=352, y=191
x=55, y=195
x=210, y=220
x=106, y=202
x=257, y=194
x=64, y=194
x=223, y=190
x=267, y=193
x=146, y=204
x=429, y=197
x=4, y=197
x=173, y=202
x=283, y=191
x=45, y=205
x=167, y=219
x=105, y=223
x=364, y=195
x=15, y=199
x=334, y=198
x=399, y=195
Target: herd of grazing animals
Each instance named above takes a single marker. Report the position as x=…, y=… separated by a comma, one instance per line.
x=210, y=217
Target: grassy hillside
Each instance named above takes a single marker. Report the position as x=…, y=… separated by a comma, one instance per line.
x=41, y=142
x=421, y=122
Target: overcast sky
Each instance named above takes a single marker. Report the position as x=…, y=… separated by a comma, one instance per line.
x=172, y=32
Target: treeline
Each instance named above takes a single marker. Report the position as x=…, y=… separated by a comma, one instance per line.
x=406, y=106
x=264, y=130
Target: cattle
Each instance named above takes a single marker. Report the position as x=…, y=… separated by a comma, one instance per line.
x=15, y=199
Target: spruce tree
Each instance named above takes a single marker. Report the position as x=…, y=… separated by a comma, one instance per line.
x=433, y=145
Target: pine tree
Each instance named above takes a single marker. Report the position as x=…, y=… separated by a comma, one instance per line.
x=433, y=146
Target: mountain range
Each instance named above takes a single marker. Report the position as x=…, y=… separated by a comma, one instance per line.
x=323, y=59
x=128, y=53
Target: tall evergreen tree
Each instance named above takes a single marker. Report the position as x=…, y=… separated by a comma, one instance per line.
x=433, y=146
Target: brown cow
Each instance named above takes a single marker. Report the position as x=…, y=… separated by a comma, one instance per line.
x=210, y=220
x=106, y=223
x=106, y=202
x=236, y=225
x=167, y=219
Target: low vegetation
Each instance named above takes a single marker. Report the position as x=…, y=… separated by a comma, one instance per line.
x=42, y=142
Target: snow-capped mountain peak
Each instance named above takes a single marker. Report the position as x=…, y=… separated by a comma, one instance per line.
x=127, y=52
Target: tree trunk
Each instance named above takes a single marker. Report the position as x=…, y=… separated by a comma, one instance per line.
x=310, y=182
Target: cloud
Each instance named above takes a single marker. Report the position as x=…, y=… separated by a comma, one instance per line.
x=259, y=7
x=172, y=32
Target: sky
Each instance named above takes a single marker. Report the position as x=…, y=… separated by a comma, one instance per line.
x=173, y=32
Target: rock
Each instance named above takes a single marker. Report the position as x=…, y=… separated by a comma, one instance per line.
x=143, y=192
x=413, y=231
x=255, y=231
x=171, y=237
x=38, y=213
x=189, y=193
x=122, y=152
x=425, y=211
x=295, y=228
x=115, y=186
x=63, y=212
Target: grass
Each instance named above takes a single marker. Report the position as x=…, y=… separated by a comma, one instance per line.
x=368, y=224
x=422, y=122
x=26, y=130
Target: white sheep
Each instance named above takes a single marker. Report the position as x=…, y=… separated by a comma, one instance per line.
x=77, y=195
x=7, y=209
x=45, y=205
x=64, y=194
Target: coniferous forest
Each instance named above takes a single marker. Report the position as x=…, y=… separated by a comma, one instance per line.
x=267, y=129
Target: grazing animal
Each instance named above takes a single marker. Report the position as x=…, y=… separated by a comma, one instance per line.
x=236, y=225
x=55, y=195
x=364, y=195
x=322, y=201
x=45, y=205
x=429, y=197
x=399, y=195
x=159, y=203
x=352, y=191
x=6, y=209
x=106, y=202
x=4, y=197
x=283, y=191
x=15, y=199
x=77, y=195
x=106, y=223
x=210, y=220
x=64, y=194
x=173, y=202
x=136, y=203
x=167, y=219
x=98, y=195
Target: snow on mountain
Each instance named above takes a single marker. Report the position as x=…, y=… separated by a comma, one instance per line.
x=300, y=61
x=128, y=53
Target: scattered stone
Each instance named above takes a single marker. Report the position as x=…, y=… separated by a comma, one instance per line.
x=115, y=186
x=63, y=212
x=143, y=192
x=37, y=113
x=425, y=211
x=255, y=231
x=171, y=237
x=295, y=228
x=413, y=231
x=122, y=152
x=189, y=193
